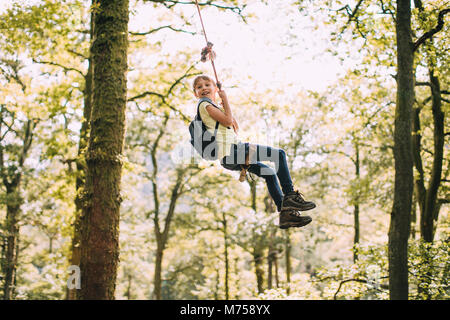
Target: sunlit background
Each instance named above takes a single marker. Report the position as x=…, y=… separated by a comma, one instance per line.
x=278, y=48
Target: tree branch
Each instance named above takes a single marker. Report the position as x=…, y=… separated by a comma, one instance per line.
x=158, y=29
x=67, y=69
x=360, y=281
x=352, y=16
x=186, y=75
x=163, y=97
x=15, y=67
x=432, y=32
x=171, y=3
x=77, y=54
x=146, y=93
x=385, y=10
x=423, y=84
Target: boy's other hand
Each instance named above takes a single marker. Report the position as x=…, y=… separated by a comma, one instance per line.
x=222, y=94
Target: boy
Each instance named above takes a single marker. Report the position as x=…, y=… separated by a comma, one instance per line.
x=232, y=154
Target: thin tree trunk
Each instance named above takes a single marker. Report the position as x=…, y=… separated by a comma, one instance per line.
x=258, y=249
x=277, y=279
x=216, y=291
x=429, y=204
x=12, y=237
x=419, y=183
x=258, y=258
x=237, y=277
x=157, y=280
x=227, y=264
x=413, y=219
x=356, y=206
x=271, y=254
x=287, y=257
x=101, y=212
x=269, y=268
x=81, y=169
x=401, y=211
x=163, y=237
x=356, y=236
x=12, y=182
x=427, y=226
x=128, y=292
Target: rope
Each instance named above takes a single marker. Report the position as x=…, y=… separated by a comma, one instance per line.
x=207, y=42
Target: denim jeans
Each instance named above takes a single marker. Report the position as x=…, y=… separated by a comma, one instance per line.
x=263, y=153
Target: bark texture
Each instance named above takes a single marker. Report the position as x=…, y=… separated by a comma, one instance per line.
x=399, y=228
x=101, y=210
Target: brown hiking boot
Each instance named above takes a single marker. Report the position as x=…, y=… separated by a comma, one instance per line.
x=294, y=201
x=292, y=219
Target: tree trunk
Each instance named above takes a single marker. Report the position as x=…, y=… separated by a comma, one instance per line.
x=217, y=286
x=258, y=260
x=413, y=219
x=271, y=254
x=356, y=235
x=101, y=212
x=128, y=292
x=81, y=170
x=163, y=237
x=12, y=238
x=237, y=277
x=419, y=183
x=429, y=204
x=356, y=206
x=287, y=257
x=227, y=264
x=429, y=215
x=401, y=211
x=275, y=262
x=258, y=248
x=269, y=268
x=157, y=281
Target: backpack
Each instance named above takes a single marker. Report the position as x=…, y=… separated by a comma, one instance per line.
x=203, y=141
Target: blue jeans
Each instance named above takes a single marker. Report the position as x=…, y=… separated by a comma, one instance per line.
x=263, y=153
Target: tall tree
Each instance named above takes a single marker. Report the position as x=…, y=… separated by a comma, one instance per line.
x=258, y=244
x=401, y=211
x=427, y=197
x=17, y=127
x=101, y=211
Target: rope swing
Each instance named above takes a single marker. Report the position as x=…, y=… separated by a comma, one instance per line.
x=207, y=52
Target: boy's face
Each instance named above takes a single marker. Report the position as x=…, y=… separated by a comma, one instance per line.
x=205, y=89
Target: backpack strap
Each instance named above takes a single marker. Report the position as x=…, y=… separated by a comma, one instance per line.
x=198, y=111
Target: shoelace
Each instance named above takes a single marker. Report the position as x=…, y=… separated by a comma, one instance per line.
x=299, y=196
x=297, y=214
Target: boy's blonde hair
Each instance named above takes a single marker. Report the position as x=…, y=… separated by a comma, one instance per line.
x=202, y=77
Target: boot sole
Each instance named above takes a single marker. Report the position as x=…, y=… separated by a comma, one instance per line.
x=299, y=224
x=312, y=206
